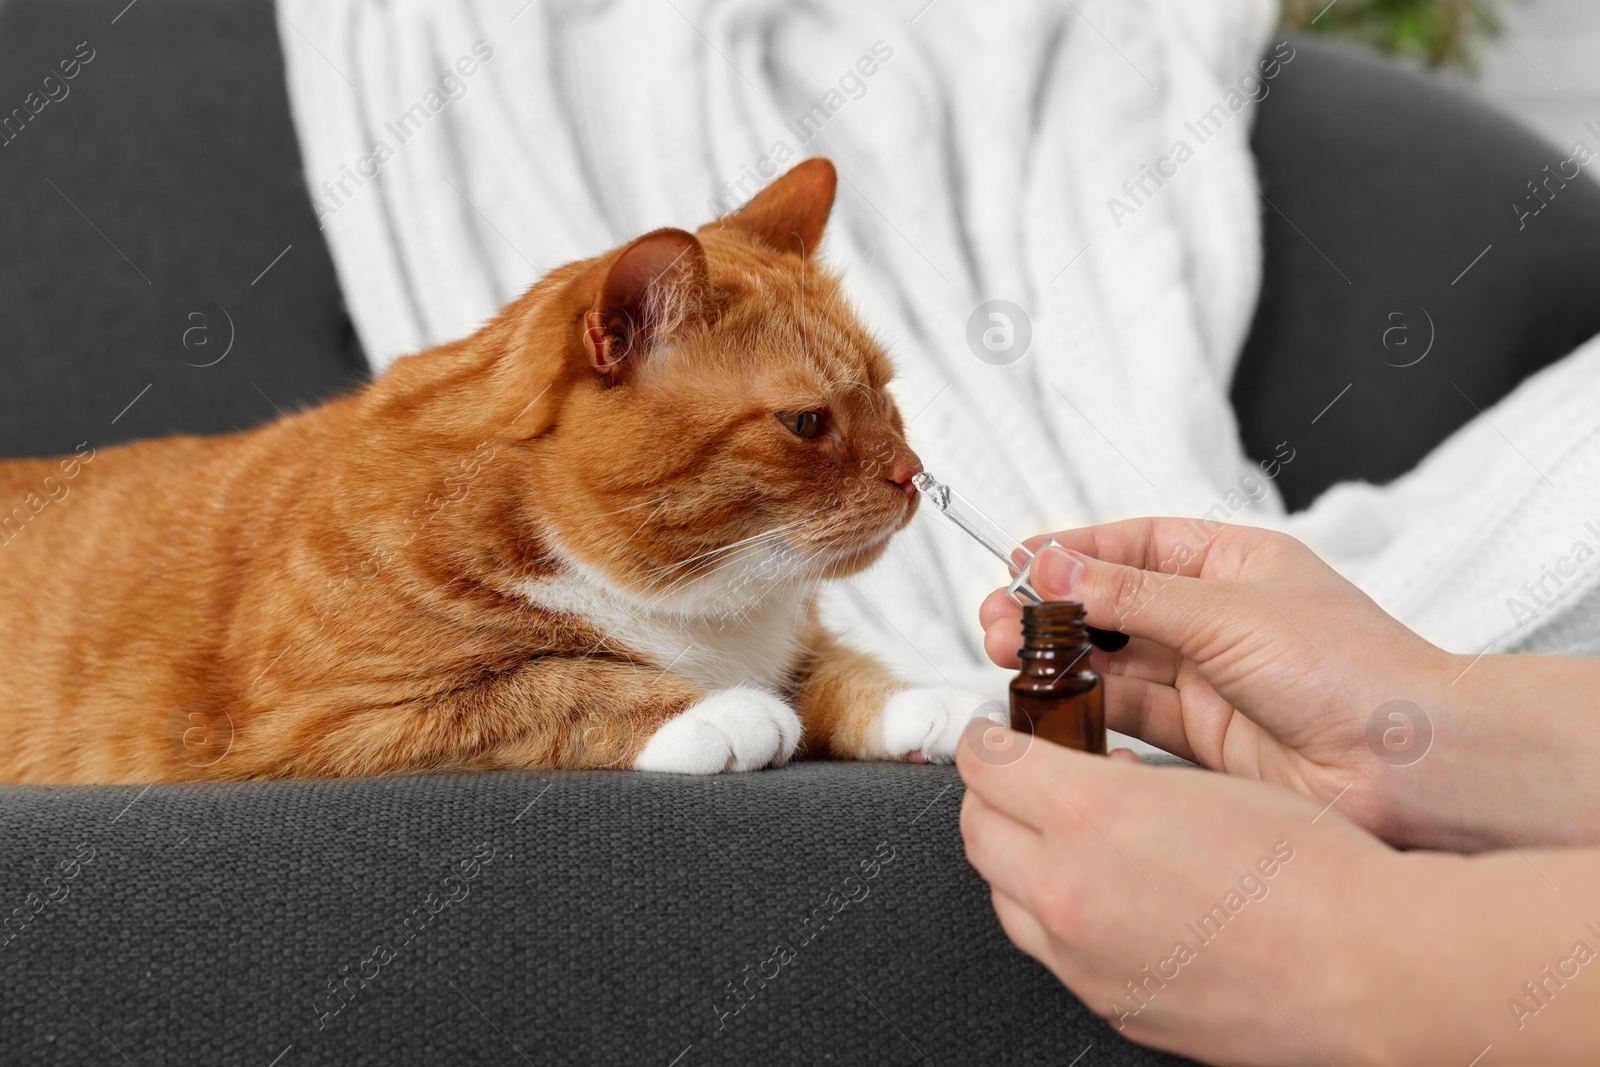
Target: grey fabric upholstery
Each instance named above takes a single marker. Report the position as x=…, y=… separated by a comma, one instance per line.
x=616, y=909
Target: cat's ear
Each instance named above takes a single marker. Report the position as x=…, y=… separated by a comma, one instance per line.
x=789, y=214
x=656, y=284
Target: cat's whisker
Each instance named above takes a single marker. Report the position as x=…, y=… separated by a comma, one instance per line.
x=765, y=584
x=723, y=556
x=686, y=571
x=646, y=521
x=803, y=564
x=754, y=538
x=705, y=565
x=799, y=565
x=731, y=576
x=619, y=511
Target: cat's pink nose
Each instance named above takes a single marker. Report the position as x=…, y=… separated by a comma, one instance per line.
x=905, y=468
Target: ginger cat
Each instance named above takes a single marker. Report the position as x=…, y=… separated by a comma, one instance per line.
x=589, y=535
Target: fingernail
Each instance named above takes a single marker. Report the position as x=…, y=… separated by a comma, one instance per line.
x=1055, y=573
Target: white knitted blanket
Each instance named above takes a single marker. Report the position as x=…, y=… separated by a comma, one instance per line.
x=1026, y=152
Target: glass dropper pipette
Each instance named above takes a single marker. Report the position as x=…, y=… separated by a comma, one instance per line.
x=982, y=529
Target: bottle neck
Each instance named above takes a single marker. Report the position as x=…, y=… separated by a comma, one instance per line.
x=1055, y=638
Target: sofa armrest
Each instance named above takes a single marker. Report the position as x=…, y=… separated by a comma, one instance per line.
x=1385, y=187
x=820, y=912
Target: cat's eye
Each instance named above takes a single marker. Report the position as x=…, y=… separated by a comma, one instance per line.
x=805, y=424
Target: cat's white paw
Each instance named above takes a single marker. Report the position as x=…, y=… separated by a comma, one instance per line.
x=926, y=724
x=739, y=729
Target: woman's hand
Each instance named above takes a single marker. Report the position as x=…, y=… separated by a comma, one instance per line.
x=1233, y=922
x=1248, y=655
x=1195, y=912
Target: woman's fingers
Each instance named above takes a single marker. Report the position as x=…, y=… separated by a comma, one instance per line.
x=1000, y=848
x=1186, y=615
x=1020, y=926
x=1001, y=641
x=1149, y=711
x=1030, y=780
x=1141, y=659
x=1140, y=686
x=996, y=606
x=1171, y=546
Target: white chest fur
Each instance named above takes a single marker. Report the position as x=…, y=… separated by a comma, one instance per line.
x=754, y=640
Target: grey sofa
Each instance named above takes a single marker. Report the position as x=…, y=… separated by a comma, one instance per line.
x=821, y=913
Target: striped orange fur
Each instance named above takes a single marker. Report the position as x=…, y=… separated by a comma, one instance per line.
x=534, y=547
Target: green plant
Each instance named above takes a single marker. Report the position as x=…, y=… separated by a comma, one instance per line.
x=1436, y=32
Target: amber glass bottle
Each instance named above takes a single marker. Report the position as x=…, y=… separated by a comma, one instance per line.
x=1055, y=695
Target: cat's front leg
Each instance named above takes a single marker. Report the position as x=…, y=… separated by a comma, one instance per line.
x=592, y=712
x=744, y=728
x=853, y=707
